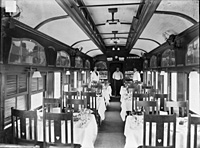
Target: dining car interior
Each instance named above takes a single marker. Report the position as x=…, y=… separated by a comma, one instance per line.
x=99, y=74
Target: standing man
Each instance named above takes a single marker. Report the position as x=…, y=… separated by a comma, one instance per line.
x=136, y=79
x=117, y=77
x=95, y=76
x=136, y=76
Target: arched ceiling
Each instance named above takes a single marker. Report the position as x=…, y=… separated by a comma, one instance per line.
x=138, y=26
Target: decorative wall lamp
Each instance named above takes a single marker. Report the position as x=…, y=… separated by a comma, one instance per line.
x=67, y=72
x=82, y=72
x=36, y=73
x=162, y=72
x=115, y=40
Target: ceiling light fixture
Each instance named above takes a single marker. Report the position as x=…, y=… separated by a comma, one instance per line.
x=109, y=59
x=113, y=21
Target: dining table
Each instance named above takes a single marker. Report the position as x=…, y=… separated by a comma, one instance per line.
x=101, y=106
x=133, y=132
x=85, y=132
x=126, y=105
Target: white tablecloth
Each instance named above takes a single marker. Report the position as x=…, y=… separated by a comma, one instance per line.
x=101, y=107
x=134, y=132
x=84, y=135
x=126, y=105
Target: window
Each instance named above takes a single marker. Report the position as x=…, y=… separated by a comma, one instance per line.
x=194, y=92
x=128, y=75
x=38, y=84
x=103, y=74
x=18, y=102
x=16, y=84
x=145, y=64
x=26, y=51
x=57, y=84
x=36, y=100
x=153, y=61
x=168, y=58
x=87, y=64
x=63, y=59
x=101, y=65
x=174, y=86
x=166, y=83
x=192, y=55
x=78, y=62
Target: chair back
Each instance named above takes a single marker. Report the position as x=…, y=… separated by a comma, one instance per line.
x=193, y=132
x=24, y=126
x=58, y=129
x=72, y=95
x=76, y=104
x=91, y=100
x=161, y=130
x=161, y=98
x=51, y=103
x=150, y=107
x=138, y=97
x=181, y=108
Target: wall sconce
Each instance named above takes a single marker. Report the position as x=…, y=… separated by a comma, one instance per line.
x=162, y=72
x=67, y=72
x=36, y=73
x=148, y=72
x=141, y=72
x=82, y=72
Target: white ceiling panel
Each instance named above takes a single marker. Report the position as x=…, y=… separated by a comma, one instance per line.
x=94, y=53
x=64, y=30
x=145, y=45
x=159, y=24
x=35, y=11
x=187, y=7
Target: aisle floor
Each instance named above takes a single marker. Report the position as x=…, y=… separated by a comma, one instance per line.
x=110, y=134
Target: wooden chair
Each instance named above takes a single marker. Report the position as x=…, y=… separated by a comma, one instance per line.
x=76, y=104
x=56, y=130
x=72, y=95
x=193, y=122
x=24, y=127
x=138, y=97
x=147, y=89
x=51, y=103
x=161, y=123
x=181, y=108
x=161, y=98
x=92, y=103
x=150, y=107
x=91, y=100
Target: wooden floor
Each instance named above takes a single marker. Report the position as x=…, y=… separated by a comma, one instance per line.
x=110, y=134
